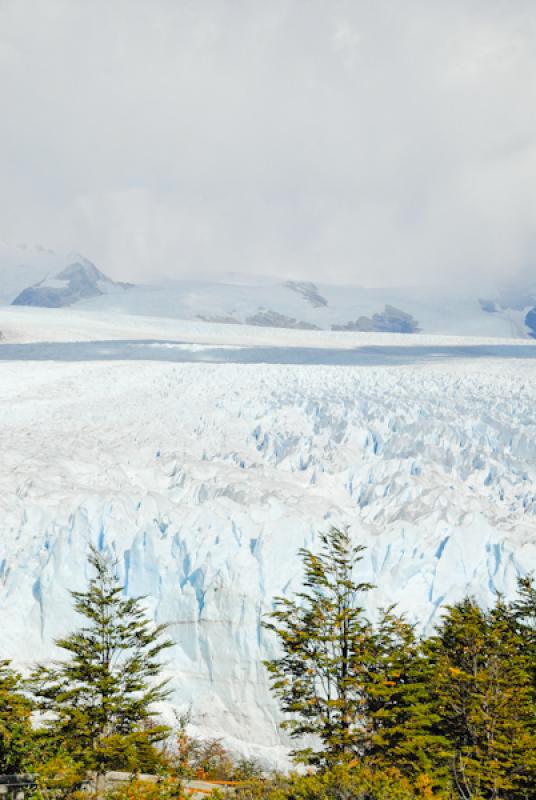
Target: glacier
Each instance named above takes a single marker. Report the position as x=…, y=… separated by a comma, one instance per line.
x=204, y=476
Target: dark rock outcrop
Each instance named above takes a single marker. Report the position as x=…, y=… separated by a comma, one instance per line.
x=390, y=320
x=273, y=319
x=221, y=319
x=308, y=291
x=530, y=322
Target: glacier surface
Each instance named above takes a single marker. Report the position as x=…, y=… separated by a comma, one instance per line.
x=206, y=478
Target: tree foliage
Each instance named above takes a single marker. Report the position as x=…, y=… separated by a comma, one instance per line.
x=376, y=711
x=99, y=700
x=454, y=712
x=484, y=693
x=326, y=645
x=402, y=711
x=15, y=724
x=341, y=782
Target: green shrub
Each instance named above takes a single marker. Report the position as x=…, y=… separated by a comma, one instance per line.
x=136, y=789
x=340, y=783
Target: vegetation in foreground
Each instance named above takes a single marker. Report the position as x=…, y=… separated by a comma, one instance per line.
x=449, y=715
x=376, y=711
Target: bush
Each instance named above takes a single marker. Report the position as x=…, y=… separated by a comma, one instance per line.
x=136, y=789
x=58, y=776
x=339, y=783
x=196, y=758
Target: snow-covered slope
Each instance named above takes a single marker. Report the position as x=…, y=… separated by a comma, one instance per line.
x=205, y=478
x=446, y=311
x=22, y=266
x=38, y=277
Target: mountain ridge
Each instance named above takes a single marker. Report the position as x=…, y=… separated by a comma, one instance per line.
x=41, y=278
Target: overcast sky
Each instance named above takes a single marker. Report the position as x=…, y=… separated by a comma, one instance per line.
x=366, y=141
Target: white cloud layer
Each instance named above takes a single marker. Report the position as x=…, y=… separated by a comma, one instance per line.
x=366, y=141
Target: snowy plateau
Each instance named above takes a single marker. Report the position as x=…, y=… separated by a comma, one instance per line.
x=37, y=277
x=204, y=456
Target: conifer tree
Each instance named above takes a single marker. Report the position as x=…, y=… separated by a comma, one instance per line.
x=483, y=691
x=15, y=725
x=326, y=648
x=403, y=719
x=524, y=611
x=99, y=699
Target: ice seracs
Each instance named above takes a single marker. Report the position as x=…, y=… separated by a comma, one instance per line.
x=204, y=479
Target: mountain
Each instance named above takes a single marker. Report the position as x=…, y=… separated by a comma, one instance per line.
x=445, y=311
x=79, y=281
x=205, y=465
x=38, y=277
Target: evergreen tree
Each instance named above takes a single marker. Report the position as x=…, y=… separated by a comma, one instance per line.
x=15, y=725
x=483, y=692
x=99, y=699
x=524, y=611
x=402, y=715
x=326, y=645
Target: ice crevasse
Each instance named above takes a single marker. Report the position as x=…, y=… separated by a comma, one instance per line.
x=204, y=480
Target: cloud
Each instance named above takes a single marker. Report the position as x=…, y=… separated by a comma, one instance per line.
x=372, y=142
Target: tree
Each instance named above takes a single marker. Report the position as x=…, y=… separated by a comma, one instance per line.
x=524, y=611
x=326, y=644
x=15, y=724
x=402, y=714
x=99, y=700
x=483, y=691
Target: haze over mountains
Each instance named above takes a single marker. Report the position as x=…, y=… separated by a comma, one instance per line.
x=40, y=277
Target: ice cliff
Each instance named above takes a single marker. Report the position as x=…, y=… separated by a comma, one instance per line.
x=205, y=479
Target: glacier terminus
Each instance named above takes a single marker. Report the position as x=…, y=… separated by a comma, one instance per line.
x=204, y=456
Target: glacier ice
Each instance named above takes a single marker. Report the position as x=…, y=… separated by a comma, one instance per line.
x=205, y=479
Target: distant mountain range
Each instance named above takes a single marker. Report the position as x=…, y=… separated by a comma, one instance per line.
x=39, y=277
